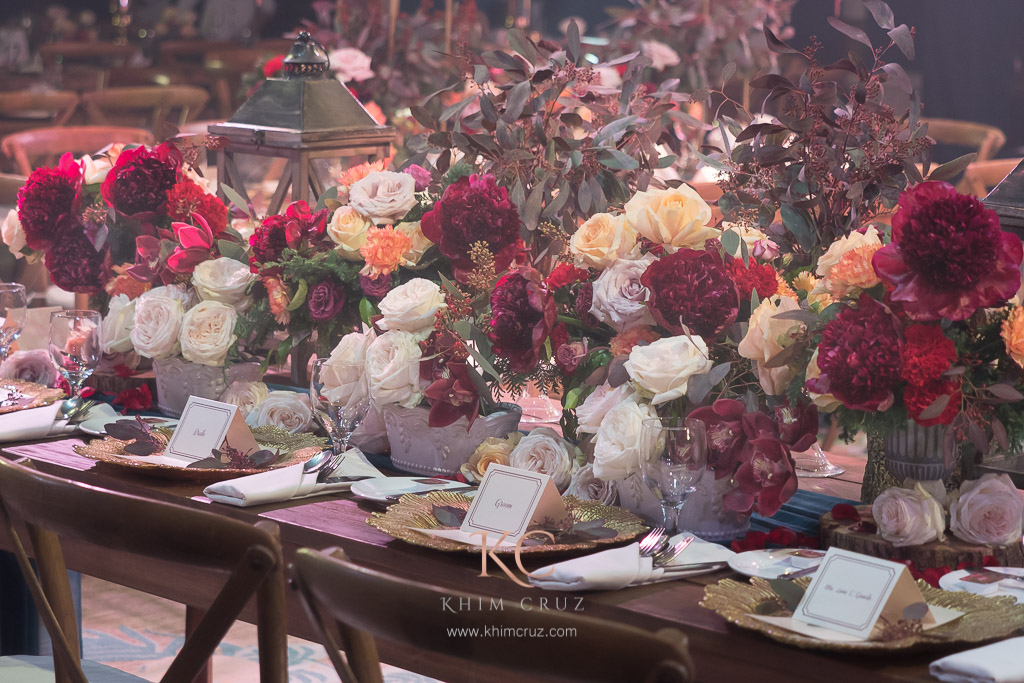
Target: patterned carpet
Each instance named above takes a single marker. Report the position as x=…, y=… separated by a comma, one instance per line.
x=140, y=634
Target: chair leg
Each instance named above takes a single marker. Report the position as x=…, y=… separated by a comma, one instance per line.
x=272, y=629
x=193, y=615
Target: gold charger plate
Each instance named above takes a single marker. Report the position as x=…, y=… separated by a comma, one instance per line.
x=300, y=448
x=984, y=618
x=415, y=511
x=38, y=394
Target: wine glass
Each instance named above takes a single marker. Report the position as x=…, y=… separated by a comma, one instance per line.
x=75, y=348
x=340, y=398
x=678, y=460
x=13, y=310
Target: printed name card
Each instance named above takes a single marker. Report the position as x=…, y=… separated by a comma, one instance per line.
x=510, y=500
x=206, y=425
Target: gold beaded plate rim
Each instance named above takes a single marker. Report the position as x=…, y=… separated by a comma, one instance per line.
x=40, y=395
x=984, y=618
x=415, y=511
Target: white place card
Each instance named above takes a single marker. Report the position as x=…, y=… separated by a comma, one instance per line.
x=510, y=500
x=205, y=425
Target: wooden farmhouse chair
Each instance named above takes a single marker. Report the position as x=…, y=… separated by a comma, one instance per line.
x=24, y=109
x=982, y=138
x=43, y=146
x=981, y=176
x=148, y=105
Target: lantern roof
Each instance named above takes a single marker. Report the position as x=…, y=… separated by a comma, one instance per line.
x=1007, y=200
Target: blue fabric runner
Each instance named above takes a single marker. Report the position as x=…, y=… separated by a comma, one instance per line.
x=801, y=513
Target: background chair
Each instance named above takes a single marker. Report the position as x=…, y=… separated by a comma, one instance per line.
x=145, y=106
x=981, y=176
x=52, y=509
x=982, y=138
x=43, y=146
x=24, y=109
x=368, y=604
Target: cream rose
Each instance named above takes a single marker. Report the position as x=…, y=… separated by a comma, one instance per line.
x=344, y=374
x=590, y=414
x=492, y=451
x=116, y=328
x=664, y=367
x=764, y=339
x=410, y=307
x=759, y=246
x=837, y=249
x=34, y=365
x=285, y=409
x=13, y=234
x=393, y=369
x=987, y=511
x=602, y=240
x=619, y=298
x=95, y=170
x=157, y=325
x=177, y=292
x=347, y=229
x=544, y=451
x=207, y=332
x=676, y=217
x=909, y=516
x=622, y=443
x=350, y=64
x=660, y=54
x=420, y=243
x=225, y=280
x=248, y=396
x=825, y=402
x=586, y=486
x=383, y=196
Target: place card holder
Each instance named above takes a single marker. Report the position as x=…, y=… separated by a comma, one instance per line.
x=510, y=500
x=206, y=425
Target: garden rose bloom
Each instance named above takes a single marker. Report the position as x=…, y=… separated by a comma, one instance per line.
x=383, y=196
x=664, y=367
x=826, y=402
x=376, y=287
x=420, y=175
x=660, y=54
x=207, y=332
x=843, y=245
x=225, y=280
x=347, y=229
x=420, y=244
x=691, y=290
x=622, y=443
x=158, y=319
x=94, y=170
x=602, y=240
x=763, y=341
x=285, y=409
x=586, y=486
x=491, y=451
x=325, y=300
x=46, y=202
x=909, y=516
x=344, y=375
x=522, y=316
x=140, y=179
x=544, y=451
x=73, y=262
x=675, y=217
x=30, y=366
x=948, y=256
x=593, y=409
x=620, y=299
x=1013, y=335
x=248, y=396
x=350, y=64
x=987, y=511
x=14, y=234
x=411, y=307
x=392, y=369
x=116, y=328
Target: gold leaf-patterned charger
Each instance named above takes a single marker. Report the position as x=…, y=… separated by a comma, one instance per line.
x=17, y=394
x=413, y=512
x=295, y=448
x=984, y=618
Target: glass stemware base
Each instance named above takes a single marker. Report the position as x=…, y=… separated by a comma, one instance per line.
x=814, y=464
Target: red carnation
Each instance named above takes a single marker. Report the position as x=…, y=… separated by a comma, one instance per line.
x=273, y=65
x=691, y=289
x=565, y=274
x=756, y=276
x=926, y=354
x=522, y=315
x=948, y=255
x=187, y=198
x=268, y=242
x=138, y=184
x=49, y=194
x=473, y=209
x=73, y=262
x=918, y=398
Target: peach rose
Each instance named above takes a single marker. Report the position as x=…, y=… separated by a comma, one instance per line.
x=1013, y=335
x=491, y=451
x=844, y=244
x=763, y=341
x=601, y=240
x=676, y=217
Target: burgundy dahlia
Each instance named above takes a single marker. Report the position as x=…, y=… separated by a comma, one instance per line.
x=473, y=209
x=268, y=242
x=584, y=302
x=73, y=262
x=325, y=300
x=522, y=316
x=138, y=184
x=691, y=289
x=49, y=194
x=948, y=255
x=859, y=357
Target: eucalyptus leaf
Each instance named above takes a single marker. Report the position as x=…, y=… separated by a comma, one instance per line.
x=449, y=515
x=616, y=159
x=232, y=250
x=515, y=101
x=851, y=32
x=789, y=591
x=235, y=198
x=207, y=464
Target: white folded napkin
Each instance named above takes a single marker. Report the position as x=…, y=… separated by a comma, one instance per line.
x=32, y=423
x=621, y=567
x=997, y=663
x=288, y=483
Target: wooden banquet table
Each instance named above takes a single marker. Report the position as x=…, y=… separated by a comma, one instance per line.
x=721, y=652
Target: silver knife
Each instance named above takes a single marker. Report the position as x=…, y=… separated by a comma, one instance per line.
x=672, y=568
x=342, y=480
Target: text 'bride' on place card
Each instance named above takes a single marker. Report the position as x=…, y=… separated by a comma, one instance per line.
x=510, y=500
x=205, y=425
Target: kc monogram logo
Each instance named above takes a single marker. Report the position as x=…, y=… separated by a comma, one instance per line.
x=486, y=552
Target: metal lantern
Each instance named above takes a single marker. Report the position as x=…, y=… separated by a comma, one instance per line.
x=1007, y=200
x=305, y=116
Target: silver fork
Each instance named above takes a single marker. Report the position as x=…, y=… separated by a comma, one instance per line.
x=666, y=556
x=332, y=464
x=652, y=542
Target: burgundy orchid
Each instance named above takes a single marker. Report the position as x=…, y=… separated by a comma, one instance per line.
x=195, y=244
x=723, y=422
x=453, y=397
x=766, y=478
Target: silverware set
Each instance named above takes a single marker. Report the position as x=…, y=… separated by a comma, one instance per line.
x=656, y=546
x=324, y=463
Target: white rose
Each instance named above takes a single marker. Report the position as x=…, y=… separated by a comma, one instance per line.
x=987, y=511
x=34, y=365
x=619, y=298
x=544, y=451
x=763, y=341
x=344, y=374
x=909, y=516
x=393, y=369
x=622, y=443
x=225, y=280
x=597, y=405
x=207, y=332
x=664, y=367
x=95, y=170
x=383, y=196
x=602, y=240
x=285, y=409
x=350, y=64
x=934, y=487
x=660, y=54
x=246, y=395
x=420, y=243
x=586, y=486
x=347, y=229
x=157, y=325
x=13, y=234
x=410, y=307
x=676, y=217
x=116, y=328
x=837, y=249
x=177, y=292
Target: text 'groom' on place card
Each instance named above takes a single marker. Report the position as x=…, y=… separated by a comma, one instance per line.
x=205, y=425
x=510, y=500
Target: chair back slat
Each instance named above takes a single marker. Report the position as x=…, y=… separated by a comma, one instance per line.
x=43, y=146
x=154, y=103
x=986, y=140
